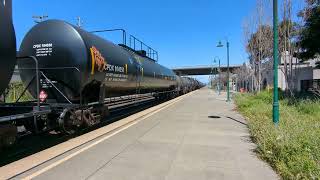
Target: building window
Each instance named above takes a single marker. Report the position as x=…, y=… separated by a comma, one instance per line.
x=307, y=84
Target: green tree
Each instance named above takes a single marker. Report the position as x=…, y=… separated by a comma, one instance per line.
x=259, y=46
x=288, y=33
x=309, y=39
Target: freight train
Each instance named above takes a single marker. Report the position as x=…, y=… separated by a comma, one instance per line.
x=76, y=77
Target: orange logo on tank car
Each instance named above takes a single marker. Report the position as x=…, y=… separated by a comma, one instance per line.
x=97, y=60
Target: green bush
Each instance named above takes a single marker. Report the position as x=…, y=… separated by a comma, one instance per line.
x=292, y=148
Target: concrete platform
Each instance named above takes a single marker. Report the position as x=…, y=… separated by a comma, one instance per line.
x=182, y=141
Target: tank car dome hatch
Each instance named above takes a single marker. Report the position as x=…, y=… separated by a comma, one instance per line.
x=7, y=44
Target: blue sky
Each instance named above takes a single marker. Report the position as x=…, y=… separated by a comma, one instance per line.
x=185, y=32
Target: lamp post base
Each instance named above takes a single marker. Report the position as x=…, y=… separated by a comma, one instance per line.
x=275, y=113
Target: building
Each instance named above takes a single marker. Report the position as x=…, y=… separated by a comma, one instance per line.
x=305, y=75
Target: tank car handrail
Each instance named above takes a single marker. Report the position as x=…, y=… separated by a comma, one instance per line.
x=58, y=68
x=37, y=84
x=54, y=68
x=36, y=76
x=124, y=33
x=152, y=51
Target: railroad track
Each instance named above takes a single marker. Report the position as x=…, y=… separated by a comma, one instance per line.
x=26, y=145
x=85, y=141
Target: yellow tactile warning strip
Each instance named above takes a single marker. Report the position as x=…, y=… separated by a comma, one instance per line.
x=108, y=131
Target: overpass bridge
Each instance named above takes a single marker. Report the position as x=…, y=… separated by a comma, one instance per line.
x=203, y=69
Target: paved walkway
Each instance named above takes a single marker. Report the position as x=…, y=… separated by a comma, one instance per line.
x=179, y=142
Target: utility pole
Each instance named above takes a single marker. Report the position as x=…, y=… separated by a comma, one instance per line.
x=212, y=76
x=275, y=110
x=39, y=19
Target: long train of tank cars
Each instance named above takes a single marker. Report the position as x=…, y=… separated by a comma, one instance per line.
x=76, y=77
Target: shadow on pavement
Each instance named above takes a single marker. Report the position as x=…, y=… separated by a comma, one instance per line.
x=214, y=117
x=237, y=120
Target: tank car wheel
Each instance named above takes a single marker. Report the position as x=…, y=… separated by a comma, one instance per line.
x=88, y=119
x=65, y=121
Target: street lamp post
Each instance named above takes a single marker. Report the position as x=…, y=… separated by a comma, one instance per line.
x=228, y=70
x=219, y=88
x=275, y=110
x=212, y=76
